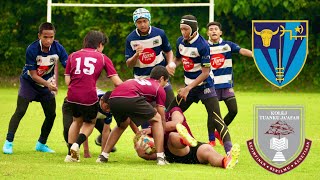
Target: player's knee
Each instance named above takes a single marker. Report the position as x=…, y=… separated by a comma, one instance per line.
x=233, y=112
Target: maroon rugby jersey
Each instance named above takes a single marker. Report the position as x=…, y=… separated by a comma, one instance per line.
x=149, y=88
x=84, y=68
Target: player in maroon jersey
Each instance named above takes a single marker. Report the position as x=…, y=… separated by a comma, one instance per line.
x=181, y=147
x=131, y=101
x=83, y=69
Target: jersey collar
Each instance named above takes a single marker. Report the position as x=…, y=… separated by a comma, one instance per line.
x=194, y=39
x=211, y=43
x=144, y=35
x=41, y=46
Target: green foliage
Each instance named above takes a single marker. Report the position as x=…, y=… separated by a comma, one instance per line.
x=20, y=21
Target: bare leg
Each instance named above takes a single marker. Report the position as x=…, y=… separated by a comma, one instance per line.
x=206, y=154
x=175, y=146
x=115, y=135
x=157, y=132
x=105, y=135
x=74, y=130
x=86, y=151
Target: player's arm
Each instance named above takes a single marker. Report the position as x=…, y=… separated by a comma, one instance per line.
x=171, y=66
x=245, y=52
x=67, y=79
x=40, y=80
x=176, y=117
x=134, y=127
x=132, y=56
x=161, y=111
x=116, y=80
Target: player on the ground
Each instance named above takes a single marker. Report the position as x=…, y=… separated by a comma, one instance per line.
x=221, y=65
x=37, y=83
x=181, y=147
x=82, y=72
x=194, y=53
x=130, y=101
x=148, y=46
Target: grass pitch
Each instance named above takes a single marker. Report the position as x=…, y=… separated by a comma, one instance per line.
x=26, y=163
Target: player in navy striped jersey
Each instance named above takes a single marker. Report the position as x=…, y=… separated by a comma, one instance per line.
x=221, y=65
x=147, y=47
x=37, y=84
x=194, y=53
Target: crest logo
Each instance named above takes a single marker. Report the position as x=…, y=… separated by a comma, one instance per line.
x=279, y=144
x=280, y=49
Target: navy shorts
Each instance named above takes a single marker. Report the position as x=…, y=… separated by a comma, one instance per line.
x=137, y=109
x=225, y=93
x=201, y=93
x=32, y=92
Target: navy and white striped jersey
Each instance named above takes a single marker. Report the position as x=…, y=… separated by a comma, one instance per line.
x=221, y=62
x=43, y=62
x=194, y=56
x=155, y=43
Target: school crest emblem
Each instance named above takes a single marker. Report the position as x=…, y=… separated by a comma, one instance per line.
x=280, y=49
x=279, y=144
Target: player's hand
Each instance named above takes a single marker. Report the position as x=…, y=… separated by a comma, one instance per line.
x=183, y=93
x=146, y=131
x=86, y=154
x=52, y=87
x=171, y=70
x=139, y=48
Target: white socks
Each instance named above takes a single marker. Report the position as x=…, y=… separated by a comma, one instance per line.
x=106, y=155
x=160, y=154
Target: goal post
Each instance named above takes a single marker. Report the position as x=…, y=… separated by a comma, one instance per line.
x=210, y=4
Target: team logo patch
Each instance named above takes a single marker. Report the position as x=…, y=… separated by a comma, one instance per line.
x=279, y=144
x=155, y=42
x=217, y=60
x=280, y=49
x=147, y=56
x=187, y=63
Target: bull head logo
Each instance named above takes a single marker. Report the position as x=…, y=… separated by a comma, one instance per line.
x=266, y=35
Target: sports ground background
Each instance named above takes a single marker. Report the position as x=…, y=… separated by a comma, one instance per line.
x=19, y=23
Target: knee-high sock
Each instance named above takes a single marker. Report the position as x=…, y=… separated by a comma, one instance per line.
x=232, y=110
x=67, y=119
x=49, y=109
x=214, y=119
x=22, y=106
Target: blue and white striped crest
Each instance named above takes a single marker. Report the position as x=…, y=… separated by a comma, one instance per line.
x=280, y=49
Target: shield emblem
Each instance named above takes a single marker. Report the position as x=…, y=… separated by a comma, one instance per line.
x=279, y=144
x=280, y=49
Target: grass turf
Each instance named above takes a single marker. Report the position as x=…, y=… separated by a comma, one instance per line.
x=26, y=163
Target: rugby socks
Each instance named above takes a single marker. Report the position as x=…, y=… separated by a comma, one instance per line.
x=227, y=146
x=69, y=147
x=232, y=110
x=104, y=154
x=42, y=140
x=81, y=138
x=10, y=136
x=160, y=154
x=211, y=136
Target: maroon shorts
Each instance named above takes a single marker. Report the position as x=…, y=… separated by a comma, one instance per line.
x=137, y=109
x=225, y=93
